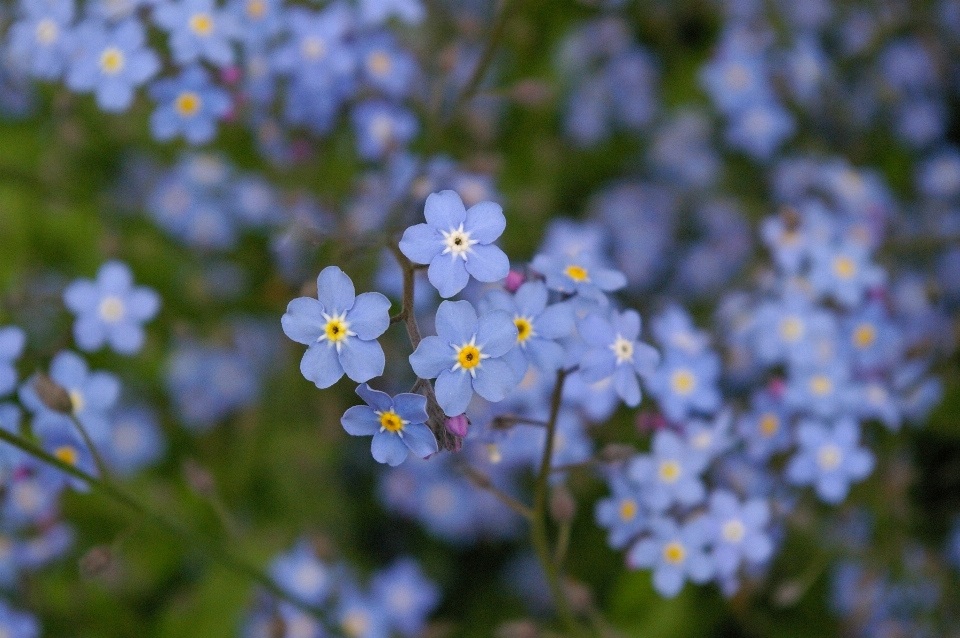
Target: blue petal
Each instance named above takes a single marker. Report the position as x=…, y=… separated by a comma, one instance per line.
x=555, y=321
x=303, y=322
x=444, y=210
x=518, y=362
x=627, y=386
x=411, y=407
x=448, y=275
x=115, y=277
x=421, y=243
x=370, y=315
x=644, y=554
x=321, y=365
x=497, y=299
x=81, y=296
x=531, y=298
x=646, y=358
x=12, y=341
x=595, y=330
x=101, y=390
x=68, y=369
x=360, y=420
x=496, y=333
x=607, y=280
x=668, y=581
x=143, y=304
x=432, y=356
x=487, y=263
x=456, y=322
x=387, y=447
x=546, y=355
x=362, y=360
x=454, y=391
x=375, y=398
x=335, y=290
x=627, y=324
x=597, y=364
x=494, y=380
x=126, y=337
x=485, y=222
x=89, y=333
x=419, y=438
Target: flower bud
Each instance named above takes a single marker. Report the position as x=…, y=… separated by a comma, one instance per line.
x=199, y=479
x=648, y=422
x=457, y=425
x=562, y=505
x=514, y=280
x=53, y=395
x=518, y=629
x=97, y=562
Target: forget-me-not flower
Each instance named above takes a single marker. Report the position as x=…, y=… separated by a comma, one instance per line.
x=406, y=595
x=614, y=351
x=382, y=127
x=829, y=458
x=739, y=531
x=685, y=384
x=675, y=553
x=12, y=342
x=189, y=105
x=580, y=273
x=340, y=329
x=198, y=29
x=538, y=326
x=39, y=39
x=111, y=310
x=398, y=425
x=379, y=11
x=17, y=624
x=302, y=575
x=844, y=272
x=457, y=242
x=670, y=474
x=466, y=356
x=622, y=513
x=110, y=61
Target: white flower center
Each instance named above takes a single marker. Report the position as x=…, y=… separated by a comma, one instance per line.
x=112, y=309
x=829, y=457
x=457, y=242
x=734, y=530
x=622, y=349
x=47, y=32
x=313, y=48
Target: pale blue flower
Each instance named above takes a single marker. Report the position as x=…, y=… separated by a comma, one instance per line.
x=457, y=242
x=12, y=342
x=398, y=425
x=829, y=458
x=685, y=384
x=340, y=329
x=38, y=41
x=189, y=105
x=614, y=351
x=580, y=273
x=406, y=595
x=466, y=356
x=675, y=553
x=739, y=531
x=302, y=575
x=669, y=474
x=198, y=29
x=623, y=513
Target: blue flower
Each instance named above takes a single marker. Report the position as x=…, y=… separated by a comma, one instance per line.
x=580, y=273
x=844, y=272
x=685, y=384
x=340, y=329
x=208, y=383
x=675, y=553
x=760, y=129
x=739, y=531
x=823, y=390
x=387, y=67
x=379, y=11
x=38, y=41
x=65, y=443
x=17, y=624
x=198, y=30
x=382, y=127
x=302, y=575
x=111, y=310
x=398, y=425
x=189, y=105
x=766, y=427
x=406, y=595
x=829, y=458
x=317, y=54
x=622, y=513
x=614, y=351
x=466, y=356
x=361, y=616
x=12, y=341
x=111, y=61
x=136, y=441
x=257, y=21
x=670, y=474
x=538, y=325
x=457, y=242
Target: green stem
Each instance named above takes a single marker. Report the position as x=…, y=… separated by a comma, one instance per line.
x=214, y=551
x=538, y=525
x=507, y=7
x=97, y=459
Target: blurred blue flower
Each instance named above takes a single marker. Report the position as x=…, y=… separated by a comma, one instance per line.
x=382, y=127
x=406, y=595
x=301, y=574
x=38, y=41
x=669, y=474
x=360, y=615
x=12, y=342
x=136, y=440
x=188, y=105
x=580, y=273
x=17, y=624
x=684, y=384
x=111, y=310
x=829, y=458
x=457, y=242
x=675, y=553
x=740, y=531
x=340, y=329
x=622, y=513
x=198, y=29
x=398, y=425
x=467, y=356
x=614, y=351
x=379, y=11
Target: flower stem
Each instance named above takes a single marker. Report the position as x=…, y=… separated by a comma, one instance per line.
x=483, y=482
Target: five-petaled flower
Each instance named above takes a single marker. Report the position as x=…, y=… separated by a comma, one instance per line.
x=457, y=242
x=398, y=425
x=340, y=329
x=467, y=355
x=615, y=351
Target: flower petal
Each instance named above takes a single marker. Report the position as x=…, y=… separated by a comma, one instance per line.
x=444, y=210
x=360, y=420
x=432, y=356
x=362, y=360
x=555, y=321
x=419, y=438
x=321, y=365
x=303, y=322
x=115, y=277
x=494, y=380
x=454, y=391
x=411, y=407
x=421, y=243
x=496, y=333
x=456, y=322
x=81, y=296
x=487, y=263
x=448, y=275
x=485, y=222
x=597, y=364
x=370, y=315
x=374, y=398
x=387, y=447
x=335, y=290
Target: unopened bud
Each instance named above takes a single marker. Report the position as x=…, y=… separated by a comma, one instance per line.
x=199, y=479
x=514, y=280
x=230, y=74
x=777, y=387
x=457, y=425
x=648, y=422
x=493, y=453
x=518, y=629
x=96, y=563
x=788, y=594
x=616, y=452
x=578, y=595
x=563, y=507
x=53, y=395
x=531, y=93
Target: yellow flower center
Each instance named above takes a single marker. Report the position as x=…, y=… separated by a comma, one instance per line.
x=844, y=267
x=769, y=424
x=77, y=401
x=524, y=329
x=669, y=471
x=256, y=9
x=674, y=553
x=67, y=453
x=390, y=421
x=864, y=336
x=112, y=61
x=201, y=24
x=112, y=309
x=336, y=329
x=187, y=104
x=47, y=32
x=577, y=273
x=821, y=385
x=468, y=357
x=628, y=509
x=683, y=381
x=791, y=329
x=734, y=530
x=355, y=624
x=379, y=63
x=829, y=457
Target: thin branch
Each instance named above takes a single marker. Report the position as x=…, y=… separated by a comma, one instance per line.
x=505, y=421
x=102, y=468
x=482, y=481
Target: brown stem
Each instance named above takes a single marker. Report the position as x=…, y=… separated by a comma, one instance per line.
x=482, y=481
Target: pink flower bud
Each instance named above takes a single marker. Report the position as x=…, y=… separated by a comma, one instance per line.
x=514, y=280
x=648, y=422
x=230, y=74
x=777, y=387
x=457, y=425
